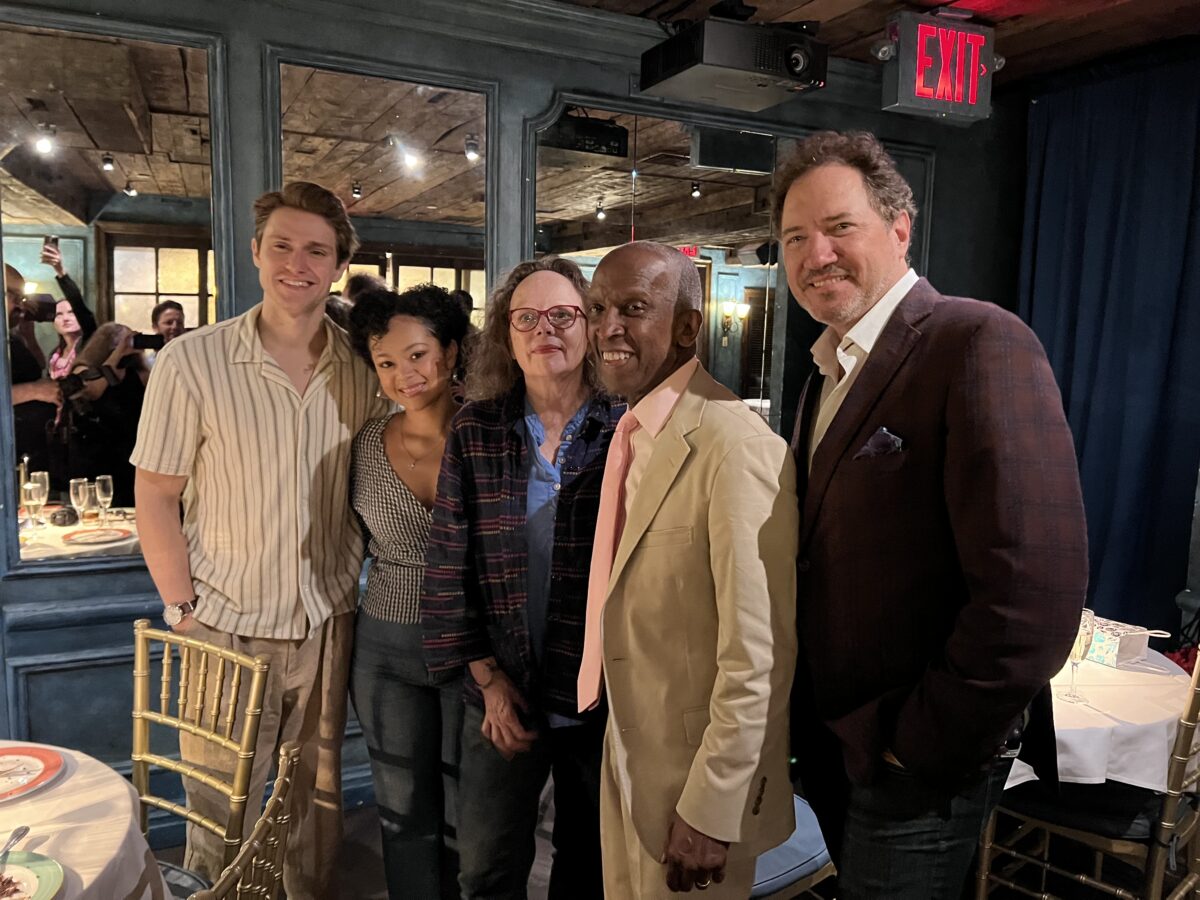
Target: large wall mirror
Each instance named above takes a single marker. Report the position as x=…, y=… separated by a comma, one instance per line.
x=408, y=160
x=605, y=178
x=105, y=185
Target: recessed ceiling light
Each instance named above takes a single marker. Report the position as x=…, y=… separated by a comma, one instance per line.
x=45, y=140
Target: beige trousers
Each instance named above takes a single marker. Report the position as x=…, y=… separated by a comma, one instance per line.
x=630, y=873
x=305, y=702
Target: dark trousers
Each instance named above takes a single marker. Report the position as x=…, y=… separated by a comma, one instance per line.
x=498, y=810
x=412, y=728
x=899, y=837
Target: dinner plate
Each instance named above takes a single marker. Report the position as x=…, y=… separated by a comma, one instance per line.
x=25, y=768
x=96, y=536
x=39, y=877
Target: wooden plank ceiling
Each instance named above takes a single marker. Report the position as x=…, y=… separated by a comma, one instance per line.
x=731, y=210
x=145, y=104
x=1035, y=36
x=339, y=129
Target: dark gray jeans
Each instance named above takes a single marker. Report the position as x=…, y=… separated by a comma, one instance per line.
x=411, y=727
x=498, y=810
x=905, y=840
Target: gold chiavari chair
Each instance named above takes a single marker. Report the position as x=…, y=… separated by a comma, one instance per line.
x=212, y=701
x=257, y=870
x=1172, y=834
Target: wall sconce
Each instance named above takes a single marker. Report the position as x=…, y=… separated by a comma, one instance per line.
x=729, y=309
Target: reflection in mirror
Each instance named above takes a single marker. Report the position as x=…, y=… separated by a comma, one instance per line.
x=407, y=159
x=104, y=198
x=704, y=190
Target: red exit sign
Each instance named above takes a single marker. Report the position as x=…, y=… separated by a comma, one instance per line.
x=942, y=67
x=690, y=250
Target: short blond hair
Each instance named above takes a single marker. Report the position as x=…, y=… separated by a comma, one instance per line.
x=312, y=198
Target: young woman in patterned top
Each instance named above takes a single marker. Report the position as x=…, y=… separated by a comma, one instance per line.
x=411, y=722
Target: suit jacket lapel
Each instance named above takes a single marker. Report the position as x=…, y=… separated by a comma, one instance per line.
x=806, y=412
x=895, y=342
x=671, y=451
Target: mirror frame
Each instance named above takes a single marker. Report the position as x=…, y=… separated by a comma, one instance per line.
x=221, y=217
x=276, y=55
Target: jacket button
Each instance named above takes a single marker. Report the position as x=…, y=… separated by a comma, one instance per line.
x=804, y=565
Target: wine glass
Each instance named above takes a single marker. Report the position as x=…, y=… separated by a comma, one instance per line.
x=104, y=494
x=33, y=495
x=77, y=490
x=43, y=479
x=1083, y=642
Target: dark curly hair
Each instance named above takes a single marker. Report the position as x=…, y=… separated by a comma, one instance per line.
x=438, y=311
x=887, y=190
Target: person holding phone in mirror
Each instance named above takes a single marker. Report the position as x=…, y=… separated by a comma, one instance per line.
x=35, y=397
x=506, y=583
x=411, y=721
x=73, y=320
x=249, y=424
x=167, y=321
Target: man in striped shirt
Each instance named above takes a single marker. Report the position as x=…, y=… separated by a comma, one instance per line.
x=249, y=423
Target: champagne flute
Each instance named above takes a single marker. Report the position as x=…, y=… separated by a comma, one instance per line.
x=43, y=479
x=1083, y=643
x=78, y=492
x=33, y=495
x=104, y=494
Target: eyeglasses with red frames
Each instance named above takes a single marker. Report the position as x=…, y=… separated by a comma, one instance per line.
x=526, y=318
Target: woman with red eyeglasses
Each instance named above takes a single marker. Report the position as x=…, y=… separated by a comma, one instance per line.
x=506, y=583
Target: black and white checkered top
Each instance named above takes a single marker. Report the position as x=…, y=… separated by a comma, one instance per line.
x=397, y=526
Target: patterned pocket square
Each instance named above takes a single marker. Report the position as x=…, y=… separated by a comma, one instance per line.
x=881, y=443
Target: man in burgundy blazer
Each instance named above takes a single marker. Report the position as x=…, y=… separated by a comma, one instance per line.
x=942, y=562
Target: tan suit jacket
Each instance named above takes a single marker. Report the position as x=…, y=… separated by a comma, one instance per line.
x=699, y=627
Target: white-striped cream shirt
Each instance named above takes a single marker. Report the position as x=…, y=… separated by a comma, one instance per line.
x=273, y=544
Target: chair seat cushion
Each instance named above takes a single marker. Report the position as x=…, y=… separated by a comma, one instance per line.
x=1112, y=810
x=181, y=882
x=800, y=856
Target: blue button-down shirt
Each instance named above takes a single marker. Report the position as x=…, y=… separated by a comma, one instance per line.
x=541, y=505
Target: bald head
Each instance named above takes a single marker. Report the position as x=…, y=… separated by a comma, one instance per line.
x=685, y=280
x=644, y=315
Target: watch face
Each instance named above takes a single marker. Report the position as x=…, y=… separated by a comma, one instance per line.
x=172, y=615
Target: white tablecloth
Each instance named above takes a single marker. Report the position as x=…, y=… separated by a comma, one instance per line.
x=46, y=541
x=88, y=821
x=1126, y=729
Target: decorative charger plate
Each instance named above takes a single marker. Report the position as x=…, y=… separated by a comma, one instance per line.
x=96, y=536
x=38, y=877
x=25, y=769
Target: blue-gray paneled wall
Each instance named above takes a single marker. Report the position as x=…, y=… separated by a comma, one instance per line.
x=65, y=630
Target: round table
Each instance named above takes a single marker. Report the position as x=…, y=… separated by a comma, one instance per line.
x=47, y=541
x=1125, y=729
x=87, y=820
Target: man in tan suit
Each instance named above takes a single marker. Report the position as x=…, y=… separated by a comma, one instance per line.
x=691, y=599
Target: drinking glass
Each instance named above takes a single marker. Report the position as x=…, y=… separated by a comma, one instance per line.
x=91, y=506
x=1083, y=642
x=33, y=495
x=43, y=479
x=78, y=492
x=104, y=494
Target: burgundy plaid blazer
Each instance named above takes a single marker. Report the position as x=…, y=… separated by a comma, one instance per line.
x=943, y=551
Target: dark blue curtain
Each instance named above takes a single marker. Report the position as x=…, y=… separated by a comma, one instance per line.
x=1110, y=281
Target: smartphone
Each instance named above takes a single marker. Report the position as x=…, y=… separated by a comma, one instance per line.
x=39, y=307
x=147, y=341
x=50, y=240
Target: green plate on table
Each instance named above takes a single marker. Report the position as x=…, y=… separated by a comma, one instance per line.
x=39, y=877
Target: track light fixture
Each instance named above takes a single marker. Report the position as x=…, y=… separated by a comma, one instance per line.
x=45, y=140
x=600, y=213
x=471, y=147
x=356, y=191
x=695, y=189
x=130, y=190
x=106, y=162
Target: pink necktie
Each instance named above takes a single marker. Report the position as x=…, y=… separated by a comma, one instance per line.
x=609, y=523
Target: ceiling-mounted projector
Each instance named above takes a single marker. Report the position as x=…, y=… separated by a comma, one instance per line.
x=737, y=65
